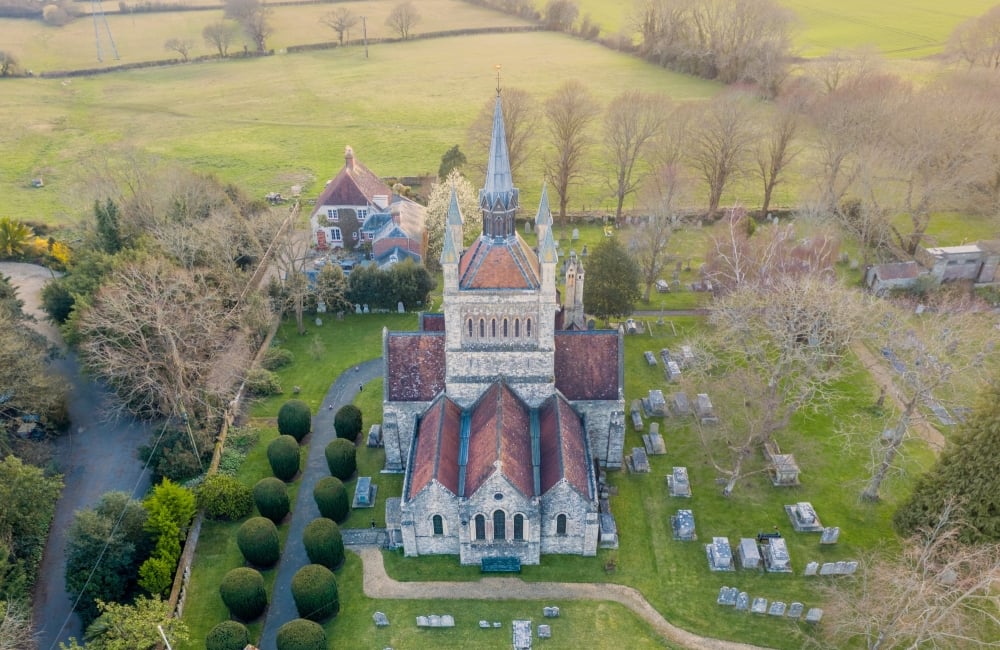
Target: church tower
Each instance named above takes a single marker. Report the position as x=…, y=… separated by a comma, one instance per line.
x=573, y=315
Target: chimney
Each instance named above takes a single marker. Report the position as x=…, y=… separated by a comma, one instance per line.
x=349, y=158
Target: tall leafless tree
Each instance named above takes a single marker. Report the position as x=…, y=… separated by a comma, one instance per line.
x=341, y=20
x=521, y=120
x=632, y=121
x=254, y=16
x=775, y=150
x=182, y=46
x=650, y=239
x=720, y=142
x=220, y=35
x=569, y=114
x=403, y=18
x=976, y=41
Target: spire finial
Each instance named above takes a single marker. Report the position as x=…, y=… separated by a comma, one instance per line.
x=497, y=66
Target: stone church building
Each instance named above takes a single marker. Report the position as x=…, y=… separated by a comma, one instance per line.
x=501, y=409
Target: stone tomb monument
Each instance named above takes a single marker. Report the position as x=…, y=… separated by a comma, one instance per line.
x=795, y=610
x=638, y=461
x=703, y=407
x=680, y=404
x=719, y=554
x=682, y=524
x=748, y=553
x=364, y=493
x=608, y=532
x=650, y=357
x=522, y=634
x=678, y=483
x=743, y=602
x=635, y=412
x=655, y=404
x=775, y=554
x=653, y=441
x=803, y=517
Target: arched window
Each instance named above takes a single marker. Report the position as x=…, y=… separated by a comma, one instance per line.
x=482, y=328
x=505, y=332
x=437, y=521
x=519, y=528
x=480, y=527
x=470, y=328
x=561, y=525
x=527, y=327
x=493, y=328
x=517, y=328
x=499, y=524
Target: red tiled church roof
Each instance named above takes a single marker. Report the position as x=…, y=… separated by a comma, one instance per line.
x=507, y=264
x=563, y=447
x=500, y=438
x=586, y=364
x=437, y=446
x=415, y=364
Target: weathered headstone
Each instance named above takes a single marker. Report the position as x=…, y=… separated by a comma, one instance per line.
x=795, y=610
x=727, y=596
x=381, y=620
x=828, y=569
x=320, y=307
x=544, y=631
x=650, y=357
x=575, y=235
x=400, y=308
x=357, y=309
x=681, y=405
x=635, y=412
x=840, y=568
x=422, y=621
x=484, y=625
x=811, y=568
x=583, y=251
x=319, y=322
x=447, y=621
x=759, y=606
x=682, y=524
x=527, y=227
x=550, y=612
x=830, y=535
x=850, y=568
x=375, y=435
x=742, y=602
x=777, y=609
x=365, y=310
x=639, y=460
x=814, y=615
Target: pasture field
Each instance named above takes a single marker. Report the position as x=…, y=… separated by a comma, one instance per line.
x=266, y=124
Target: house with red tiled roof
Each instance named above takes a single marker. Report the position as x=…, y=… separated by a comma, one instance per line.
x=356, y=207
x=500, y=410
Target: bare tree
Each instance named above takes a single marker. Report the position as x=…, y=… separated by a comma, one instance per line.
x=15, y=626
x=650, y=240
x=845, y=66
x=720, y=142
x=631, y=122
x=775, y=150
x=341, y=20
x=220, y=35
x=520, y=120
x=937, y=593
x=254, y=17
x=977, y=40
x=403, y=18
x=569, y=114
x=182, y=46
x=290, y=258
x=561, y=14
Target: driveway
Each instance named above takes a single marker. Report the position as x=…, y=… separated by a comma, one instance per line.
x=95, y=457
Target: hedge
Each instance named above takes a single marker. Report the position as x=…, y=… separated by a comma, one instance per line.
x=283, y=455
x=314, y=588
x=347, y=422
x=271, y=497
x=295, y=419
x=258, y=542
x=242, y=590
x=331, y=498
x=324, y=543
x=223, y=497
x=341, y=458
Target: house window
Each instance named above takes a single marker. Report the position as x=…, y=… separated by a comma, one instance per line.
x=437, y=521
x=480, y=527
x=335, y=234
x=519, y=528
x=499, y=525
x=331, y=214
x=493, y=328
x=482, y=328
x=362, y=214
x=527, y=328
x=354, y=235
x=517, y=328
x=505, y=333
x=470, y=328
x=370, y=235
x=561, y=525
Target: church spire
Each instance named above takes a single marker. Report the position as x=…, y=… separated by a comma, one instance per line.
x=543, y=218
x=455, y=221
x=499, y=198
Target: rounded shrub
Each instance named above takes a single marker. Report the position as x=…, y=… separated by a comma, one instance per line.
x=228, y=635
x=347, y=422
x=223, y=497
x=341, y=458
x=242, y=590
x=283, y=454
x=314, y=588
x=324, y=543
x=295, y=419
x=271, y=498
x=261, y=383
x=276, y=358
x=301, y=634
x=331, y=498
x=258, y=542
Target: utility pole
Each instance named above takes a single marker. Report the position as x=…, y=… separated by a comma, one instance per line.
x=364, y=33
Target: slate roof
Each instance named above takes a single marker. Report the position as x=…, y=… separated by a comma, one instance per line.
x=499, y=264
x=431, y=322
x=898, y=270
x=354, y=185
x=437, y=445
x=563, y=448
x=499, y=439
x=588, y=364
x=414, y=366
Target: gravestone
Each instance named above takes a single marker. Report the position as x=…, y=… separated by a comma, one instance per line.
x=795, y=610
x=400, y=309
x=650, y=357
x=748, y=553
x=319, y=322
x=686, y=356
x=840, y=568
x=665, y=356
x=375, y=435
x=719, y=554
x=803, y=517
x=364, y=493
x=682, y=524
x=814, y=615
x=527, y=227
x=828, y=569
x=777, y=609
x=550, y=612
x=608, y=530
x=522, y=634
x=743, y=602
x=681, y=405
x=678, y=483
x=583, y=251
x=653, y=441
x=776, y=559
x=357, y=309
x=575, y=234
x=497, y=624
x=422, y=621
x=364, y=309
x=673, y=371
x=703, y=407
x=830, y=535
x=655, y=404
x=727, y=596
x=484, y=625
x=320, y=307
x=851, y=568
x=759, y=606
x=544, y=631
x=811, y=568
x=447, y=621
x=381, y=620
x=639, y=461
x=434, y=620
x=635, y=412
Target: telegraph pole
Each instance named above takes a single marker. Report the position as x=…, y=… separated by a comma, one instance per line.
x=364, y=33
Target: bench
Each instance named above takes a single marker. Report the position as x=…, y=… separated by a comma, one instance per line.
x=500, y=565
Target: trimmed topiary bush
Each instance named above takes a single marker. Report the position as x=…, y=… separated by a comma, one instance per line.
x=314, y=588
x=283, y=454
x=242, y=590
x=295, y=419
x=228, y=635
x=324, y=543
x=224, y=497
x=341, y=458
x=301, y=634
x=347, y=422
x=258, y=542
x=331, y=498
x=271, y=498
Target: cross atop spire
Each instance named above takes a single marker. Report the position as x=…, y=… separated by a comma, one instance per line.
x=497, y=66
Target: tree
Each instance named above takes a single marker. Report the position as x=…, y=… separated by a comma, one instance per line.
x=290, y=256
x=171, y=508
x=254, y=17
x=271, y=498
x=323, y=542
x=775, y=150
x=224, y=497
x=977, y=40
x=8, y=64
x=452, y=159
x=648, y=246
x=314, y=589
x=301, y=634
x=347, y=422
x=284, y=457
x=437, y=213
x=220, y=35
x=939, y=592
x=403, y=18
x=182, y=46
x=28, y=498
x=27, y=383
x=341, y=20
x=295, y=419
x=632, y=120
x=561, y=14
x=612, y=285
x=720, y=142
x=228, y=635
x=16, y=630
x=569, y=114
x=258, y=541
x=132, y=627
x=341, y=458
x=242, y=590
x=14, y=238
x=100, y=563
x=965, y=472
x=520, y=122
x=108, y=230
x=331, y=498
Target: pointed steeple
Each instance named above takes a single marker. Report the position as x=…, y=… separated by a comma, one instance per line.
x=455, y=221
x=449, y=252
x=547, y=253
x=543, y=218
x=498, y=198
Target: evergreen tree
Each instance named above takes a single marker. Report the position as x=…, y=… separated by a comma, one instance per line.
x=612, y=284
x=108, y=226
x=452, y=159
x=966, y=471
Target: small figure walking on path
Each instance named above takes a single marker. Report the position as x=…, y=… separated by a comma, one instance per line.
x=373, y=523
x=361, y=387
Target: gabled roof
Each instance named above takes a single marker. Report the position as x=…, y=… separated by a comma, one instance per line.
x=437, y=444
x=395, y=255
x=354, y=185
x=414, y=363
x=563, y=448
x=588, y=364
x=898, y=270
x=499, y=440
x=499, y=264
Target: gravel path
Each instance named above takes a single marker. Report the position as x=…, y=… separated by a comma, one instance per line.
x=378, y=584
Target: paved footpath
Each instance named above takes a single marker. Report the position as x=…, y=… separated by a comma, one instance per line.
x=282, y=608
